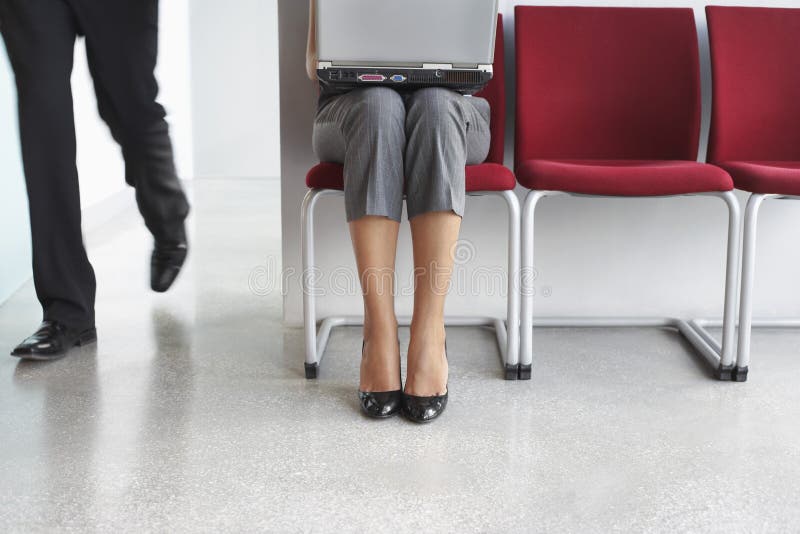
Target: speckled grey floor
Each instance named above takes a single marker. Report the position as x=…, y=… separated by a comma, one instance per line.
x=192, y=414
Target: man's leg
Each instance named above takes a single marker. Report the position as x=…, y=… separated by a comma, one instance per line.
x=39, y=37
x=122, y=48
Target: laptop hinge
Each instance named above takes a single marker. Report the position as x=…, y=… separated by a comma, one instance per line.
x=432, y=66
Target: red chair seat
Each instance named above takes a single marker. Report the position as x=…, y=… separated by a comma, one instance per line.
x=484, y=177
x=765, y=177
x=623, y=177
x=490, y=177
x=326, y=176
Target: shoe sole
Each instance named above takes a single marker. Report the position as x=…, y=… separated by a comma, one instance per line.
x=422, y=421
x=388, y=416
x=87, y=338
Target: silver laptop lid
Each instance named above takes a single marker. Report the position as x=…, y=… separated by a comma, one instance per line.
x=406, y=32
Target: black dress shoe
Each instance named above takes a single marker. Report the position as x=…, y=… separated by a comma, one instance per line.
x=53, y=340
x=425, y=409
x=380, y=405
x=165, y=265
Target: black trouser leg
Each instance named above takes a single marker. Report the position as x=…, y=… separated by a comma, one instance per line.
x=122, y=47
x=39, y=37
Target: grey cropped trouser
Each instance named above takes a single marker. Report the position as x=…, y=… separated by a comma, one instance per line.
x=391, y=144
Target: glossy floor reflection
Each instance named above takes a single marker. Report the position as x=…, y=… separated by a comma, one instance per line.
x=192, y=414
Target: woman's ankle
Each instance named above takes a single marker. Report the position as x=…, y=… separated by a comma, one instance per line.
x=383, y=329
x=427, y=361
x=428, y=331
x=380, y=359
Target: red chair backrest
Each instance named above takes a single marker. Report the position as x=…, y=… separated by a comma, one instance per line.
x=607, y=83
x=755, y=55
x=495, y=93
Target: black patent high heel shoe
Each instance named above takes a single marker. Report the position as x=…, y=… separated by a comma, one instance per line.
x=382, y=404
x=425, y=409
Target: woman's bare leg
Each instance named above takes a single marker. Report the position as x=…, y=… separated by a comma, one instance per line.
x=375, y=245
x=434, y=236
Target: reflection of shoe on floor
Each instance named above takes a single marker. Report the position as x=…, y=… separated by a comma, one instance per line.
x=53, y=340
x=165, y=265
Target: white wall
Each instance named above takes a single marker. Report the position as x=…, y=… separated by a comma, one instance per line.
x=100, y=165
x=596, y=257
x=235, y=61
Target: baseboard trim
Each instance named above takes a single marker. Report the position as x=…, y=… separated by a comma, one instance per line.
x=223, y=177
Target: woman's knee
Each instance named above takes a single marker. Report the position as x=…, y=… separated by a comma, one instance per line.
x=436, y=129
x=435, y=107
x=377, y=109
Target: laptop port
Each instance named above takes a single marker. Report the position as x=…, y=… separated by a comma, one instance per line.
x=334, y=75
x=398, y=78
x=372, y=77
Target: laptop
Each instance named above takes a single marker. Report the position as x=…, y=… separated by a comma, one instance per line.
x=406, y=43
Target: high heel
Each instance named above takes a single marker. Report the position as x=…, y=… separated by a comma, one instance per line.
x=382, y=404
x=425, y=409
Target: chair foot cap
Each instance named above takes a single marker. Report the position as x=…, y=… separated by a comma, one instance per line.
x=312, y=370
x=740, y=374
x=724, y=372
x=525, y=372
x=511, y=372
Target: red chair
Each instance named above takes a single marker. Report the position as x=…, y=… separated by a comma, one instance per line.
x=755, y=126
x=609, y=105
x=488, y=179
